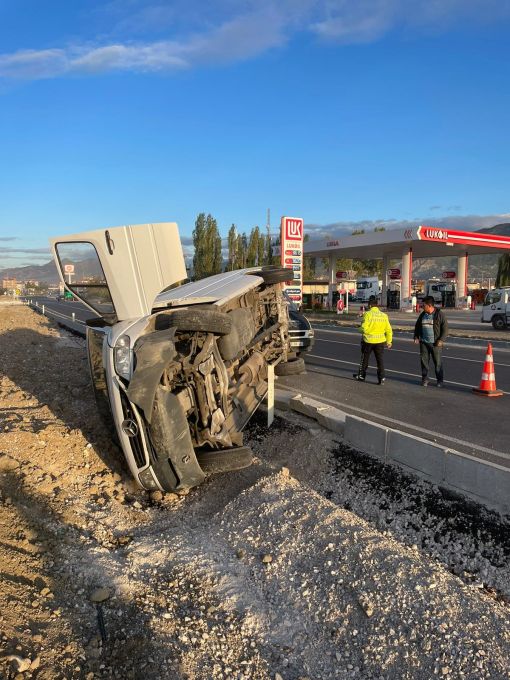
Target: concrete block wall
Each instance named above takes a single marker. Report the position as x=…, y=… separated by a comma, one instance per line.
x=416, y=454
x=366, y=436
x=481, y=480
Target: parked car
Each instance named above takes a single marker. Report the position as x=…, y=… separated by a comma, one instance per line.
x=301, y=334
x=178, y=367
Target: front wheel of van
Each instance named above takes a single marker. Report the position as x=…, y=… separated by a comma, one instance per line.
x=224, y=460
x=499, y=323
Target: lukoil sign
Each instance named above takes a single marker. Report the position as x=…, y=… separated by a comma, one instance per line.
x=291, y=236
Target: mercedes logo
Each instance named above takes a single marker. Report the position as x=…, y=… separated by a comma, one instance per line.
x=129, y=427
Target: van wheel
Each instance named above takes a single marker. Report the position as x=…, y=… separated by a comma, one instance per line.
x=274, y=275
x=290, y=367
x=499, y=323
x=205, y=320
x=224, y=460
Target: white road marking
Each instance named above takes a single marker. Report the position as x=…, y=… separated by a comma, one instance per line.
x=400, y=423
x=406, y=351
x=389, y=370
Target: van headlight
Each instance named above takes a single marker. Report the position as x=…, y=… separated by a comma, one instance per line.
x=122, y=357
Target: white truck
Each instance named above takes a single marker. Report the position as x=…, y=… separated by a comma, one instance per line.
x=435, y=288
x=366, y=287
x=496, y=308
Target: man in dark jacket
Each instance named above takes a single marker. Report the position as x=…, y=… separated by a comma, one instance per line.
x=431, y=331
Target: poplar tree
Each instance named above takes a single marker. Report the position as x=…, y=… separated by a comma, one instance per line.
x=261, y=251
x=253, y=248
x=268, y=259
x=213, y=241
x=207, y=259
x=232, y=245
x=199, y=243
x=503, y=275
x=240, y=251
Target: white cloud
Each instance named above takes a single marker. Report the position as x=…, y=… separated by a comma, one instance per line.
x=220, y=31
x=239, y=38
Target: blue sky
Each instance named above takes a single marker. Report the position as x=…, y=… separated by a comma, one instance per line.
x=342, y=112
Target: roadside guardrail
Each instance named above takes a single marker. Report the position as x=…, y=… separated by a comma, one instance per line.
x=52, y=313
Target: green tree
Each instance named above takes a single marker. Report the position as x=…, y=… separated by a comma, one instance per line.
x=309, y=264
x=344, y=264
x=503, y=275
x=199, y=231
x=213, y=239
x=207, y=259
x=232, y=243
x=261, y=254
x=253, y=248
x=241, y=247
x=276, y=259
x=268, y=257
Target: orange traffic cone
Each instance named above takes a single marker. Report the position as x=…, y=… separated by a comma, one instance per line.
x=488, y=382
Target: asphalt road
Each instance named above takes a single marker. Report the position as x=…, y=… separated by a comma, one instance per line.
x=461, y=319
x=452, y=416
x=62, y=312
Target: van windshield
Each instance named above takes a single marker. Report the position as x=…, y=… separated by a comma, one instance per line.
x=362, y=285
x=84, y=275
x=492, y=298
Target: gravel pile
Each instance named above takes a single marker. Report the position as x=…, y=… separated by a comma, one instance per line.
x=469, y=540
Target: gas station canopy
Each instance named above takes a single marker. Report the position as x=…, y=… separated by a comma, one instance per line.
x=424, y=241
x=406, y=245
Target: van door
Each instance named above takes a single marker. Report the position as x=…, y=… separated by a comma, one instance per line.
x=118, y=272
x=492, y=305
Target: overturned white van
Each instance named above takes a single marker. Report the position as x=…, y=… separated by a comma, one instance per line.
x=179, y=366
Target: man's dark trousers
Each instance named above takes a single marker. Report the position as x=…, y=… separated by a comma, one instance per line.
x=426, y=351
x=366, y=349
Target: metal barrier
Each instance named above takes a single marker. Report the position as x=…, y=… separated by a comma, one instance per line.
x=51, y=312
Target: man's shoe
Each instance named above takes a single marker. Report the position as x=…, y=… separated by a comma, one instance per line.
x=439, y=384
x=425, y=383
x=359, y=377
x=382, y=381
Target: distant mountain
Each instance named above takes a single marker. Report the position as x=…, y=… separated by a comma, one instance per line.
x=47, y=273
x=480, y=266
x=44, y=272
x=501, y=229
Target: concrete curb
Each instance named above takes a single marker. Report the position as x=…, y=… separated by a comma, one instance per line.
x=485, y=482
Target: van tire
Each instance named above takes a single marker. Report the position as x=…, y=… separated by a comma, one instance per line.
x=205, y=320
x=224, y=460
x=295, y=367
x=499, y=323
x=276, y=275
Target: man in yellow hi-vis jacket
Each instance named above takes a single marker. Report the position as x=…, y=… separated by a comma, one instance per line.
x=377, y=335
